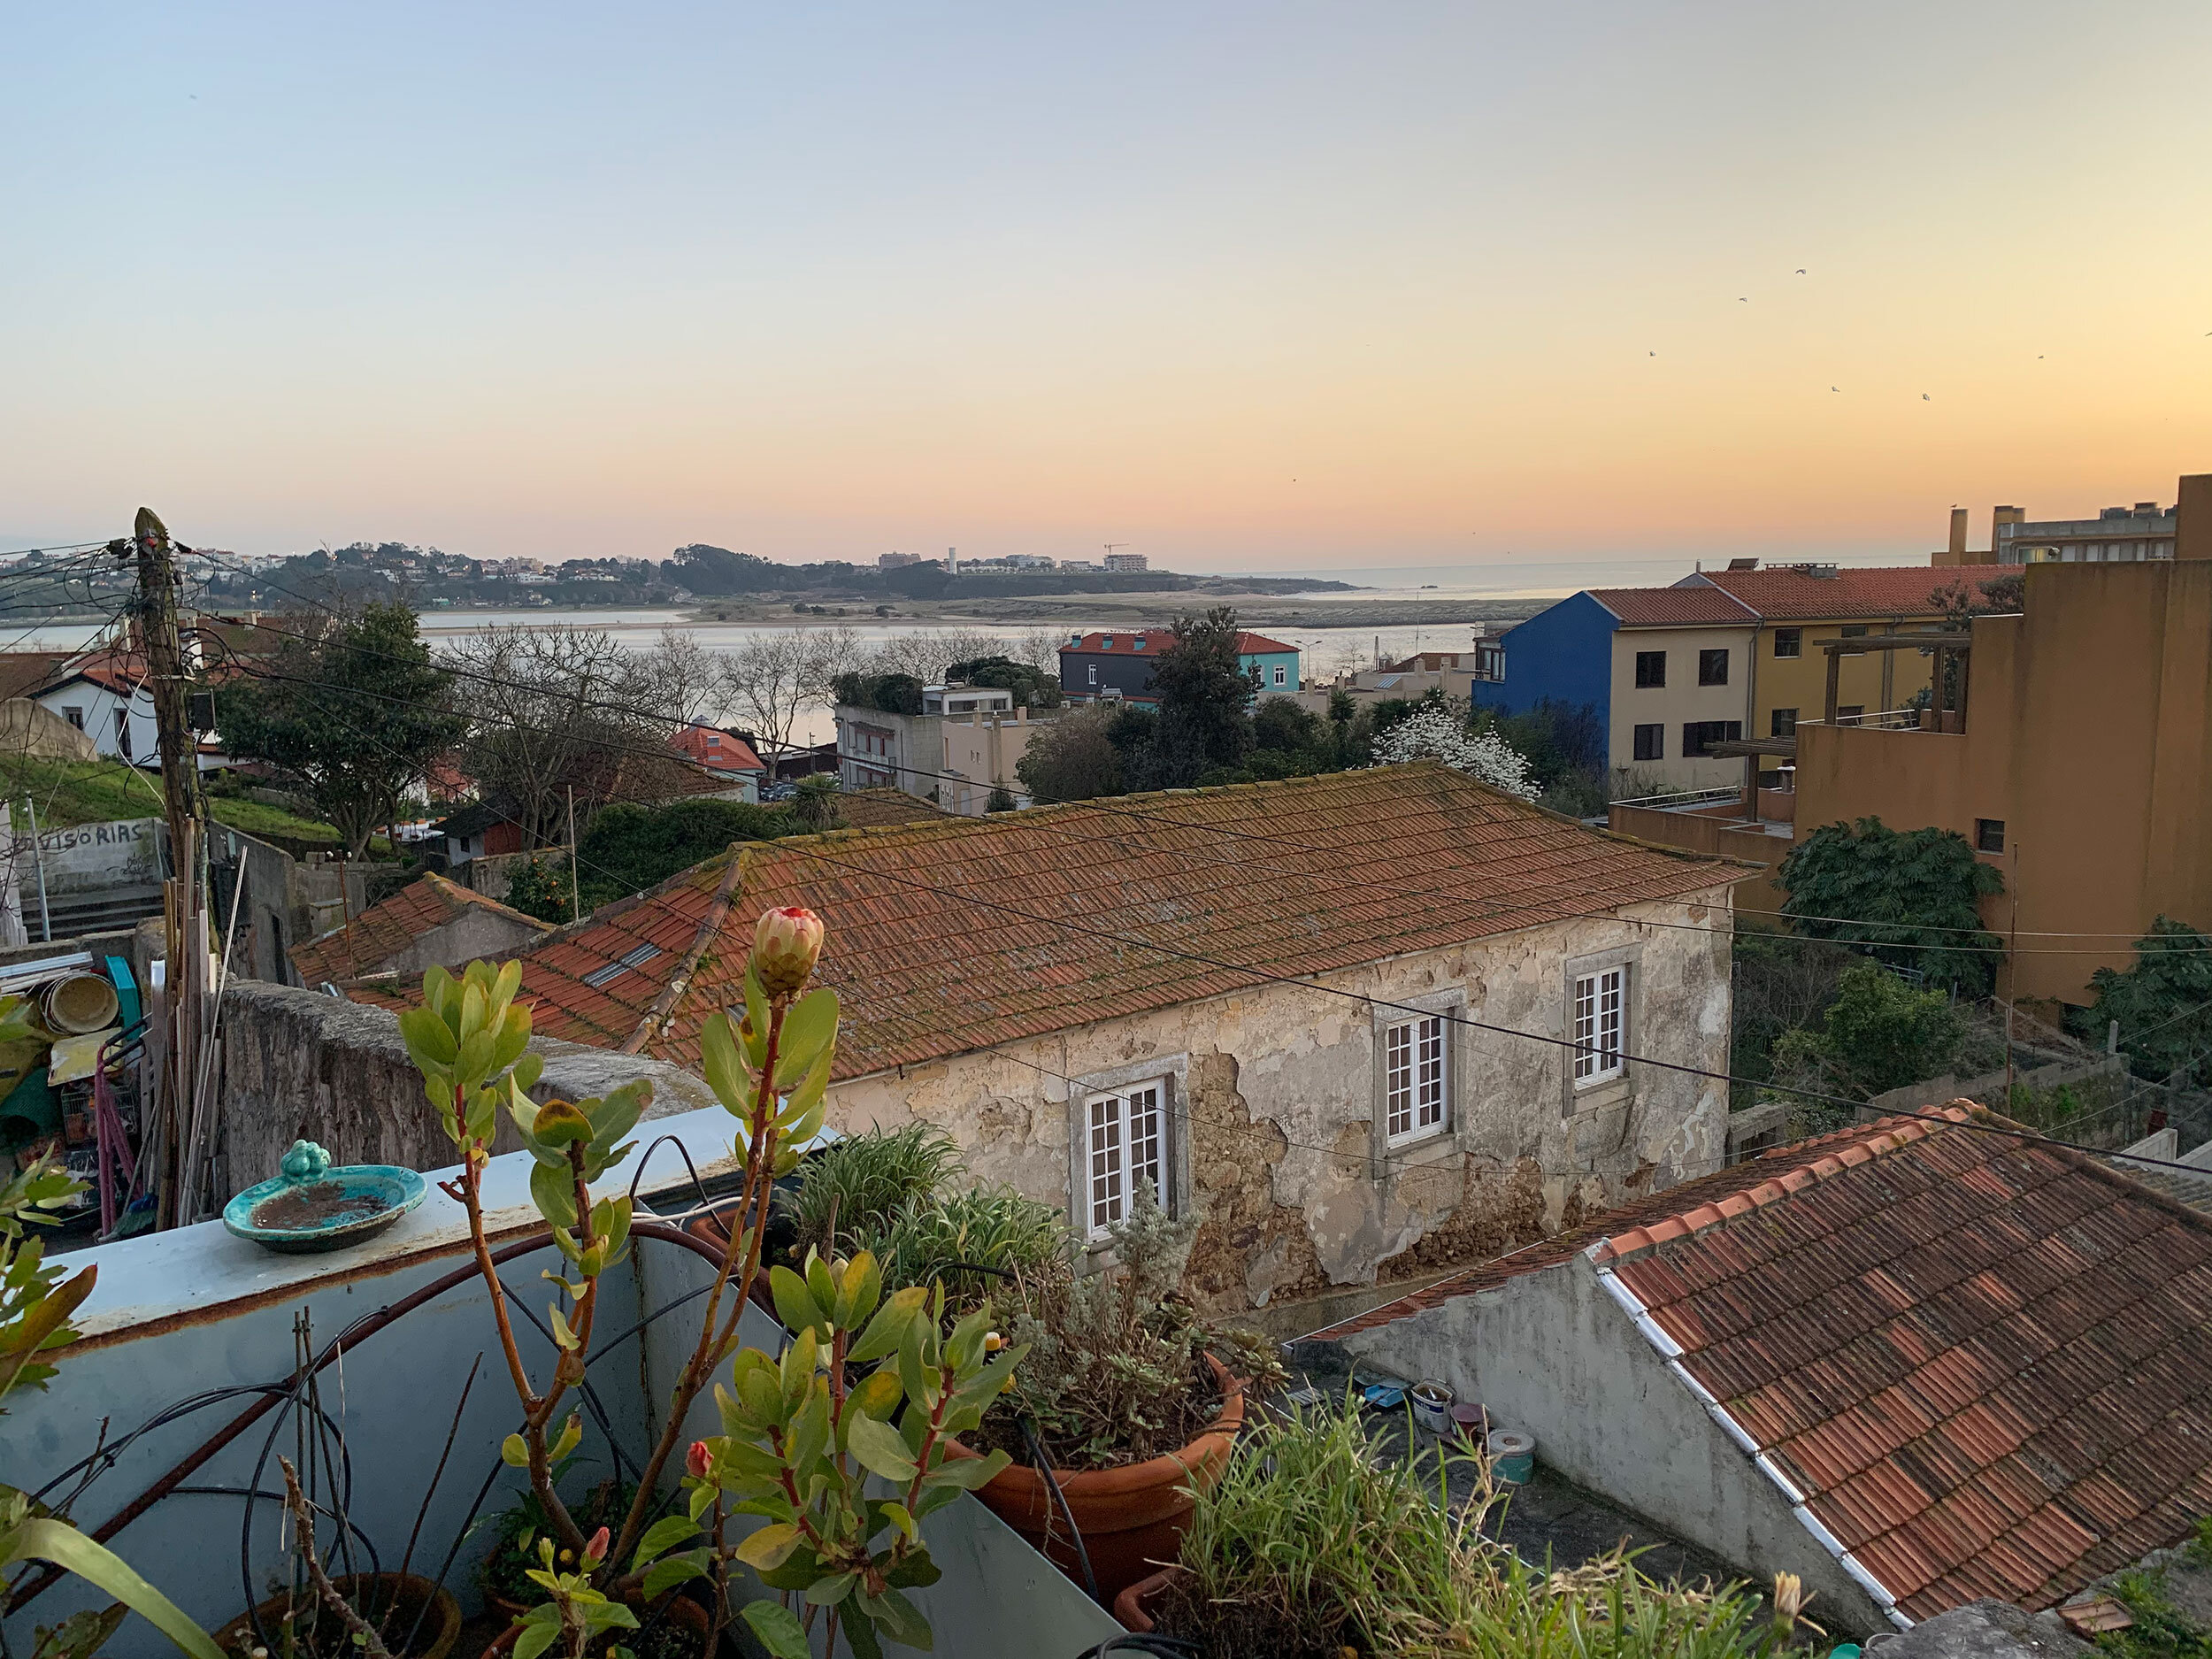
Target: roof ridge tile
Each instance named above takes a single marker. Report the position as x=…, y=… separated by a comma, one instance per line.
x=1864, y=1144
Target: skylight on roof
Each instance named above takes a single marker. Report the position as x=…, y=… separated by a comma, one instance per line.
x=616, y=969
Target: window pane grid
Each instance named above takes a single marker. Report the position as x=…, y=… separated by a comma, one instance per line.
x=1144, y=1142
x=1128, y=1146
x=1106, y=1183
x=1399, y=1080
x=1415, y=1098
x=1598, y=1004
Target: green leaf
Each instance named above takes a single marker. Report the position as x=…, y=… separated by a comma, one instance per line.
x=663, y=1535
x=560, y=1123
x=895, y=1513
x=572, y=1436
x=666, y=1575
x=44, y=1539
x=514, y=1451
x=795, y=1304
x=877, y=1395
x=808, y=1028
x=934, y=1499
x=918, y=1571
x=778, y=1629
x=830, y=1591
x=719, y=1059
x=428, y=1038
x=534, y=1640
x=888, y=1326
x=902, y=1620
x=513, y=1038
x=809, y=1433
x=880, y=1449
x=969, y=1474
x=768, y=1546
x=860, y=1636
x=553, y=1190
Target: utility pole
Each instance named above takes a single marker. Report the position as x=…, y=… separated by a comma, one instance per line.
x=575, y=900
x=183, y=988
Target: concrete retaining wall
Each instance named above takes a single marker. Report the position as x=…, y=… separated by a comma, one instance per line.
x=1552, y=1354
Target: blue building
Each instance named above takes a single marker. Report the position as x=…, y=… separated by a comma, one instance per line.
x=1093, y=665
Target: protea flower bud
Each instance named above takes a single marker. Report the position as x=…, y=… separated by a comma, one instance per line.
x=1789, y=1598
x=596, y=1548
x=787, y=944
x=697, y=1460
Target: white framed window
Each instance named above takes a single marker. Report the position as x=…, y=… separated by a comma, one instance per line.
x=1415, y=1101
x=1125, y=1145
x=1094, y=668
x=1600, y=999
x=1282, y=675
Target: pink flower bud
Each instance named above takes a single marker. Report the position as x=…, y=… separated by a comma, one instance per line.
x=596, y=1550
x=787, y=944
x=697, y=1461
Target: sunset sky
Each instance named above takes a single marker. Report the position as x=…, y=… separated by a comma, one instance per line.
x=1253, y=286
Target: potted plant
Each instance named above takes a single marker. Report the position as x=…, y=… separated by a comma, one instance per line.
x=1308, y=1547
x=1126, y=1397
x=799, y=1441
x=503, y=1575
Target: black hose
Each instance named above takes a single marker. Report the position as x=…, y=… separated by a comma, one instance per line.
x=1043, y=1466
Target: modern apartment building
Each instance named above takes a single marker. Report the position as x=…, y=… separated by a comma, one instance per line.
x=964, y=744
x=1127, y=562
x=2117, y=535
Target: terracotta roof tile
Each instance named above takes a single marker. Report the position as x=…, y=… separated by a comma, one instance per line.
x=1674, y=607
x=1971, y=1358
x=363, y=945
x=1780, y=593
x=923, y=973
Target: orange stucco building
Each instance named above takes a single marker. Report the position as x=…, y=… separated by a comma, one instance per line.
x=2081, y=765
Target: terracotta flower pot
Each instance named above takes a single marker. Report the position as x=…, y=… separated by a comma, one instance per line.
x=1133, y=1606
x=682, y=1610
x=1132, y=1516
x=440, y=1627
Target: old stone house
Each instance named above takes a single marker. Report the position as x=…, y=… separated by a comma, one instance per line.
x=1334, y=1016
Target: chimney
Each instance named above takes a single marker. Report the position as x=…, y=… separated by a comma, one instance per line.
x=1999, y=517
x=2192, y=518
x=1958, y=536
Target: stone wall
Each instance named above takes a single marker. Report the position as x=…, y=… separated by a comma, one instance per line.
x=298, y=1063
x=1274, y=1092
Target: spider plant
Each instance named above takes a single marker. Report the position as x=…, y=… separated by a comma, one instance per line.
x=858, y=1184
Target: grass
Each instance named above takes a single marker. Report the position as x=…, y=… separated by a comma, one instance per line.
x=2160, y=1631
x=1308, y=1548
x=67, y=793
x=858, y=1184
x=936, y=1237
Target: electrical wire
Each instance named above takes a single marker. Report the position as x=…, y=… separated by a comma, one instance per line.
x=1112, y=806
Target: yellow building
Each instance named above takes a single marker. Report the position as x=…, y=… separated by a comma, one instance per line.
x=1796, y=610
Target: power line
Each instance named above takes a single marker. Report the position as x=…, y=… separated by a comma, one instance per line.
x=1996, y=947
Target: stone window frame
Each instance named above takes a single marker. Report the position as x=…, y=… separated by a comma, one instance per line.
x=1385, y=1159
x=1604, y=1091
x=1171, y=1072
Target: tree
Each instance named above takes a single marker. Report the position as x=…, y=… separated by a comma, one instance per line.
x=892, y=693
x=1001, y=799
x=1878, y=1034
x=1205, y=693
x=1436, y=731
x=714, y=570
x=2162, y=1000
x=631, y=846
x=1284, y=724
x=769, y=681
x=540, y=888
x=1033, y=688
x=555, y=709
x=1907, y=898
x=1074, y=758
x=352, y=713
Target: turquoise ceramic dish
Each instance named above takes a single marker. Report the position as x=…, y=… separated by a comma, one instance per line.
x=313, y=1207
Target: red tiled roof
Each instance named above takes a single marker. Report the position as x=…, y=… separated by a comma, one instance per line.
x=1674, y=607
x=923, y=974
x=1259, y=644
x=1780, y=594
x=22, y=673
x=386, y=928
x=1985, y=1363
x=879, y=809
x=717, y=750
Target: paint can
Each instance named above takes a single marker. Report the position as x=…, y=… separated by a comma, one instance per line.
x=1512, y=1456
x=1471, y=1422
x=1433, y=1406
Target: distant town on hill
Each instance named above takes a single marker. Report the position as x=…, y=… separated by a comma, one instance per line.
x=695, y=574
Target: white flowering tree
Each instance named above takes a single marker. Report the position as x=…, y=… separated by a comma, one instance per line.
x=1434, y=732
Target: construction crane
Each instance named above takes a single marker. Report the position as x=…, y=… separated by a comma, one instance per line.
x=1110, y=546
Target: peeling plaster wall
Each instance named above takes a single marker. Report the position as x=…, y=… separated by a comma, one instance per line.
x=1551, y=1353
x=1277, y=1090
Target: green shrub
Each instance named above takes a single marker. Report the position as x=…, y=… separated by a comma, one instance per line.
x=945, y=1237
x=858, y=1184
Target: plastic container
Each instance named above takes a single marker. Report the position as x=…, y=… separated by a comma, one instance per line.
x=1433, y=1406
x=1512, y=1456
x=1471, y=1421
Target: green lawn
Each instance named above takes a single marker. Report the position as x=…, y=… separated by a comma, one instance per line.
x=70, y=792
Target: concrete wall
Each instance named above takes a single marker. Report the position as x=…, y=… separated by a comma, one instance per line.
x=298, y=1063
x=1552, y=1354
x=1871, y=680
x=984, y=750
x=2089, y=734
x=30, y=728
x=1681, y=699
x=1723, y=832
x=1273, y=1096
x=177, y=1314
